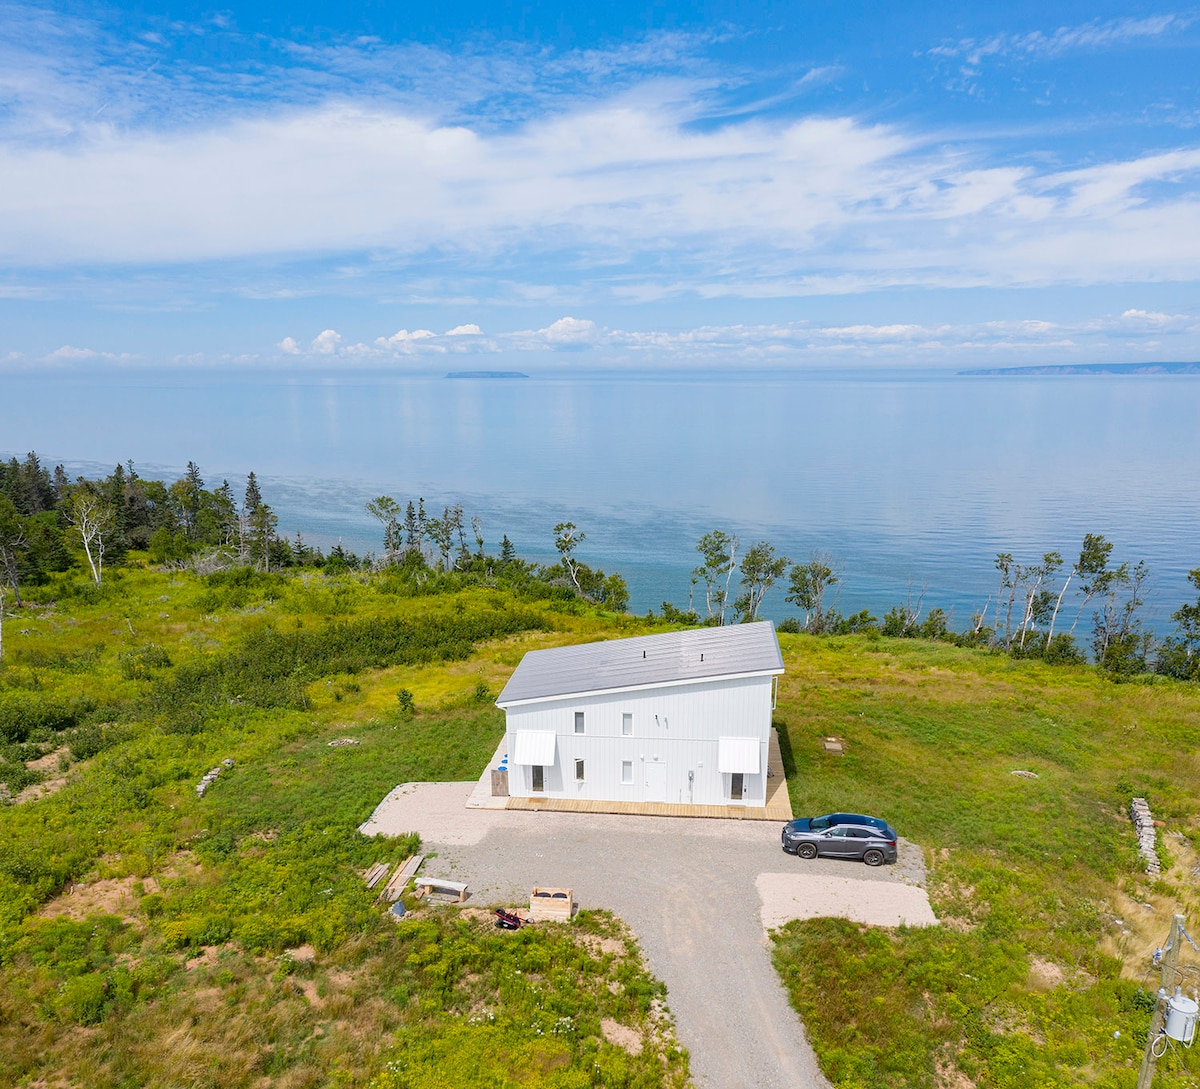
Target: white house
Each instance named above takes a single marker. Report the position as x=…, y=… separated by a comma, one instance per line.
x=682, y=717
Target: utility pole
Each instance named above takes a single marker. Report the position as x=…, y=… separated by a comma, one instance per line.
x=1165, y=989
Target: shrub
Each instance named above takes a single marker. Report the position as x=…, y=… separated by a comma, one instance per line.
x=22, y=716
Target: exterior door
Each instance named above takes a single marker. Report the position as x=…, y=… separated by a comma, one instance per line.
x=656, y=782
x=539, y=779
x=737, y=786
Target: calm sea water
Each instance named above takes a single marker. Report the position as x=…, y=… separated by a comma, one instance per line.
x=913, y=482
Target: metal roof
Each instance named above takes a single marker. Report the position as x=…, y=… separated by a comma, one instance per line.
x=692, y=655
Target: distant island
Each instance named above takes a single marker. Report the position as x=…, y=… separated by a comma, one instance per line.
x=1090, y=368
x=486, y=374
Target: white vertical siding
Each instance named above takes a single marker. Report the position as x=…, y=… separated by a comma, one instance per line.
x=676, y=726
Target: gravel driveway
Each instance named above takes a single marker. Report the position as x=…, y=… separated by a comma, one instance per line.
x=698, y=893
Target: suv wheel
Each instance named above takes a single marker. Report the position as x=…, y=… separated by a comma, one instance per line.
x=874, y=857
x=807, y=850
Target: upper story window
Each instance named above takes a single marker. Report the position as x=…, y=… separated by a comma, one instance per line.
x=579, y=722
x=627, y=724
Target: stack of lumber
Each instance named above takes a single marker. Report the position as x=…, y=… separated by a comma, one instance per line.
x=392, y=890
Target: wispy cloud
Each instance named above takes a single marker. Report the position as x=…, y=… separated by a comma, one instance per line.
x=1095, y=35
x=834, y=202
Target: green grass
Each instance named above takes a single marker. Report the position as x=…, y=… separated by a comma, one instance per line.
x=1025, y=872
x=179, y=972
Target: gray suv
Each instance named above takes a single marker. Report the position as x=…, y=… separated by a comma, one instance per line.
x=867, y=838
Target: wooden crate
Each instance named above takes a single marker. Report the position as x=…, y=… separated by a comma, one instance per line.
x=551, y=905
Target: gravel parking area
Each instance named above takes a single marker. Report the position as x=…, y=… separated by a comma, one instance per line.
x=699, y=894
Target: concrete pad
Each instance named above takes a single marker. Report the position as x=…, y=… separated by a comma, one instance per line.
x=437, y=812
x=788, y=896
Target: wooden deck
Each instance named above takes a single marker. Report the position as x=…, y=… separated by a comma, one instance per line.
x=778, y=807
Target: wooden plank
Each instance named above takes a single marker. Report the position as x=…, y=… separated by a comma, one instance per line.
x=376, y=874
x=404, y=871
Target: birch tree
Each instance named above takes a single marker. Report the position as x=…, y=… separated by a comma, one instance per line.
x=807, y=586
x=92, y=516
x=760, y=568
x=1093, y=559
x=568, y=537
x=387, y=511
x=1117, y=638
x=1036, y=596
x=718, y=550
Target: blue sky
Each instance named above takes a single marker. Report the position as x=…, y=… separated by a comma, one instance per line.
x=455, y=186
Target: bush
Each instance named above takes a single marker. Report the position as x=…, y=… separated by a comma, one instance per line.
x=138, y=665
x=22, y=716
x=89, y=740
x=83, y=1000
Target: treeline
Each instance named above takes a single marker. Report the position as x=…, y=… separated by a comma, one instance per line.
x=1025, y=619
x=415, y=539
x=47, y=518
x=50, y=523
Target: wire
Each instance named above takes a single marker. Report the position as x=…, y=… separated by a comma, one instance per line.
x=1179, y=1055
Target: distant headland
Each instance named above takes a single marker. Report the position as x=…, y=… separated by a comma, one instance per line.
x=486, y=374
x=1089, y=368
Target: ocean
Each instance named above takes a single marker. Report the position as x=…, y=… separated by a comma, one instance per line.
x=912, y=482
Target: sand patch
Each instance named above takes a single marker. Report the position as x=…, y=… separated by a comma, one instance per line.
x=621, y=1035
x=788, y=896
x=110, y=896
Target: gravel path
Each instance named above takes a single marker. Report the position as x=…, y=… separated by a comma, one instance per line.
x=698, y=893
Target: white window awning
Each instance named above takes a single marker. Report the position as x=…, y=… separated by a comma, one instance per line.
x=736, y=754
x=534, y=747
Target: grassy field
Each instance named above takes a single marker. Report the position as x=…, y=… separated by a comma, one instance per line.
x=1036, y=975
x=152, y=937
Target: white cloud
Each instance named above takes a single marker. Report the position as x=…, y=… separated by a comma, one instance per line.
x=564, y=335
x=70, y=354
x=464, y=331
x=831, y=202
x=289, y=346
x=326, y=343
x=803, y=342
x=569, y=331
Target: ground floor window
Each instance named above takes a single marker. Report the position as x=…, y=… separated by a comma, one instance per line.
x=627, y=773
x=736, y=786
x=579, y=771
x=539, y=779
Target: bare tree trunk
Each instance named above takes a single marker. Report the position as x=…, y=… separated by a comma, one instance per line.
x=1057, y=605
x=9, y=560
x=733, y=543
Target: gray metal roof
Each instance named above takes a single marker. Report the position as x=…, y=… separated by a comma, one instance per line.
x=690, y=655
